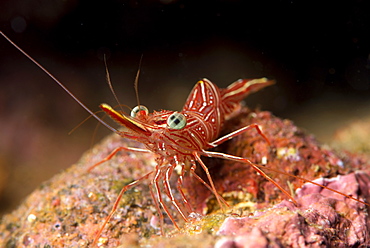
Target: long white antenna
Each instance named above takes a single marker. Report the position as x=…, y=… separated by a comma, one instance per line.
x=60, y=84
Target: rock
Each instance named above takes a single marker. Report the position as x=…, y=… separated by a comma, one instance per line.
x=69, y=209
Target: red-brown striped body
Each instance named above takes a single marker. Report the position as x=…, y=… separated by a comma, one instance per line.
x=205, y=110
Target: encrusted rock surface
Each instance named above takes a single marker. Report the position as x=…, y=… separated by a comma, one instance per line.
x=67, y=210
x=321, y=219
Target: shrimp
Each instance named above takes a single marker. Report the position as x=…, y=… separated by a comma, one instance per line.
x=180, y=138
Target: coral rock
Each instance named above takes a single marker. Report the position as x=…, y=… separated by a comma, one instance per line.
x=68, y=210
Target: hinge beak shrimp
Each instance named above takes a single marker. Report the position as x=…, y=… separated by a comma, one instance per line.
x=181, y=138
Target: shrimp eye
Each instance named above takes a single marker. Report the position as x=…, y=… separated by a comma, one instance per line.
x=176, y=121
x=135, y=111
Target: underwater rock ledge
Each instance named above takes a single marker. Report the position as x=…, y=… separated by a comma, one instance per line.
x=67, y=210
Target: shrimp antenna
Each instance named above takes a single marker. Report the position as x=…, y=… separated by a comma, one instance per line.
x=136, y=84
x=107, y=75
x=60, y=84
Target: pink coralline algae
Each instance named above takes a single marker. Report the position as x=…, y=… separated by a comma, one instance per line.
x=321, y=219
